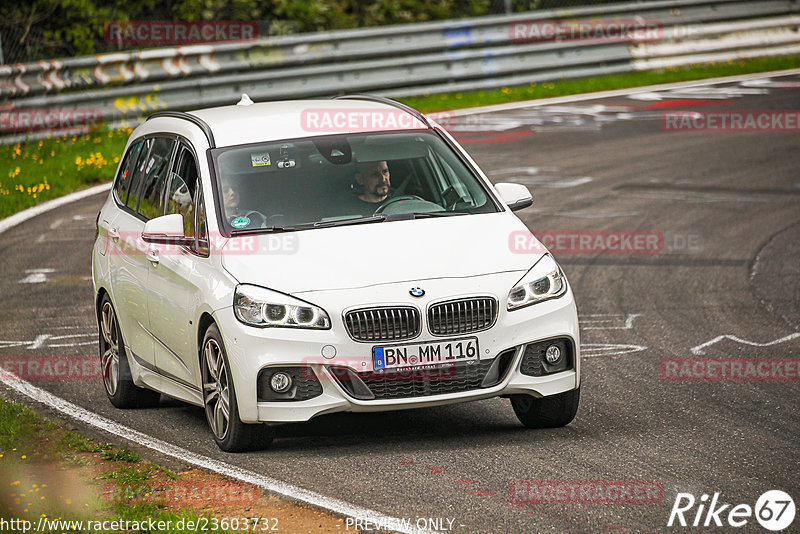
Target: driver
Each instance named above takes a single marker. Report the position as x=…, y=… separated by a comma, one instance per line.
x=375, y=180
x=238, y=216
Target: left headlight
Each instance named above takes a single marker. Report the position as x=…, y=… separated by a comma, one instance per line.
x=544, y=281
x=258, y=306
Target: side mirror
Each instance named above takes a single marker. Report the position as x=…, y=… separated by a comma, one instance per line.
x=166, y=230
x=516, y=196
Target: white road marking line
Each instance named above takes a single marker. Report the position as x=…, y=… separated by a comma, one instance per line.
x=12, y=344
x=598, y=318
x=592, y=350
x=269, y=484
x=700, y=349
x=705, y=93
x=56, y=224
x=36, y=276
x=70, y=335
x=550, y=182
x=38, y=342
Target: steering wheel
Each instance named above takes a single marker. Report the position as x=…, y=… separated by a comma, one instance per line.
x=258, y=218
x=394, y=200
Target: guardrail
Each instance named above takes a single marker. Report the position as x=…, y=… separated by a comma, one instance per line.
x=397, y=61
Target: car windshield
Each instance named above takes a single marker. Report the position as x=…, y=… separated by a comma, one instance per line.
x=344, y=179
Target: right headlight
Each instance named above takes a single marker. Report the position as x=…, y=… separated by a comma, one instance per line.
x=259, y=306
x=544, y=281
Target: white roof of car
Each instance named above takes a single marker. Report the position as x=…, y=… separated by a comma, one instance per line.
x=273, y=121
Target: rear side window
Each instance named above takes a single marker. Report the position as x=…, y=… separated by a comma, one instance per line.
x=126, y=171
x=138, y=173
x=151, y=203
x=182, y=187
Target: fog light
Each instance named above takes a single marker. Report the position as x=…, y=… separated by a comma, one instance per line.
x=553, y=354
x=280, y=382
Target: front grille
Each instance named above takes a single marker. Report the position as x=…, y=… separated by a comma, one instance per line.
x=383, y=324
x=462, y=316
x=535, y=364
x=402, y=384
x=305, y=384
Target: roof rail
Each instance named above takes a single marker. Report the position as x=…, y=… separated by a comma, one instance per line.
x=388, y=101
x=200, y=123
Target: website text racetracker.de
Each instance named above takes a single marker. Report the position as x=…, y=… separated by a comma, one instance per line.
x=201, y=524
x=588, y=242
x=530, y=492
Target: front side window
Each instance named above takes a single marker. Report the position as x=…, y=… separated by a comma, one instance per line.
x=201, y=244
x=339, y=179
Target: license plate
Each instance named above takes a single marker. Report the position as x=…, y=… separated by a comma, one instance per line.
x=425, y=354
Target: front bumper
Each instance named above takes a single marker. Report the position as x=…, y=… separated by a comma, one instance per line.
x=252, y=349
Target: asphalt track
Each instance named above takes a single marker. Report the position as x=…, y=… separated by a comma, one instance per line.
x=728, y=208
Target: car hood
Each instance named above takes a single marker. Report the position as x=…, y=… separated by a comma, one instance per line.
x=348, y=257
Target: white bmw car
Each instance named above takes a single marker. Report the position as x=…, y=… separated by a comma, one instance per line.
x=278, y=261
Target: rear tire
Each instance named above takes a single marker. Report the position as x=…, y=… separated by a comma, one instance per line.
x=219, y=399
x=547, y=412
x=116, y=373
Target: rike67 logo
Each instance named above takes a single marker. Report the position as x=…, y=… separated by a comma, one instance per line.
x=774, y=510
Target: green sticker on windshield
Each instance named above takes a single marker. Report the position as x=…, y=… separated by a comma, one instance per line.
x=240, y=222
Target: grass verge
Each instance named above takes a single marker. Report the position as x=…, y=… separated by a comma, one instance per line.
x=37, y=171
x=57, y=475
x=55, y=478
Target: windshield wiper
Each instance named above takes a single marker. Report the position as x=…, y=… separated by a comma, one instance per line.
x=346, y=222
x=427, y=214
x=267, y=229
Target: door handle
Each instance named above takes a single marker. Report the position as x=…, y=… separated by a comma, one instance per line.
x=113, y=233
x=152, y=255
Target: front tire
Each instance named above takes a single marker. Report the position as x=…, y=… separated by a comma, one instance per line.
x=552, y=411
x=117, y=379
x=219, y=399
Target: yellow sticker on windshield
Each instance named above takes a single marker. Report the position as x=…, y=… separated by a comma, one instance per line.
x=260, y=160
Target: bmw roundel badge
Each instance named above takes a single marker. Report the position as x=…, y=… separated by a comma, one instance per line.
x=417, y=292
